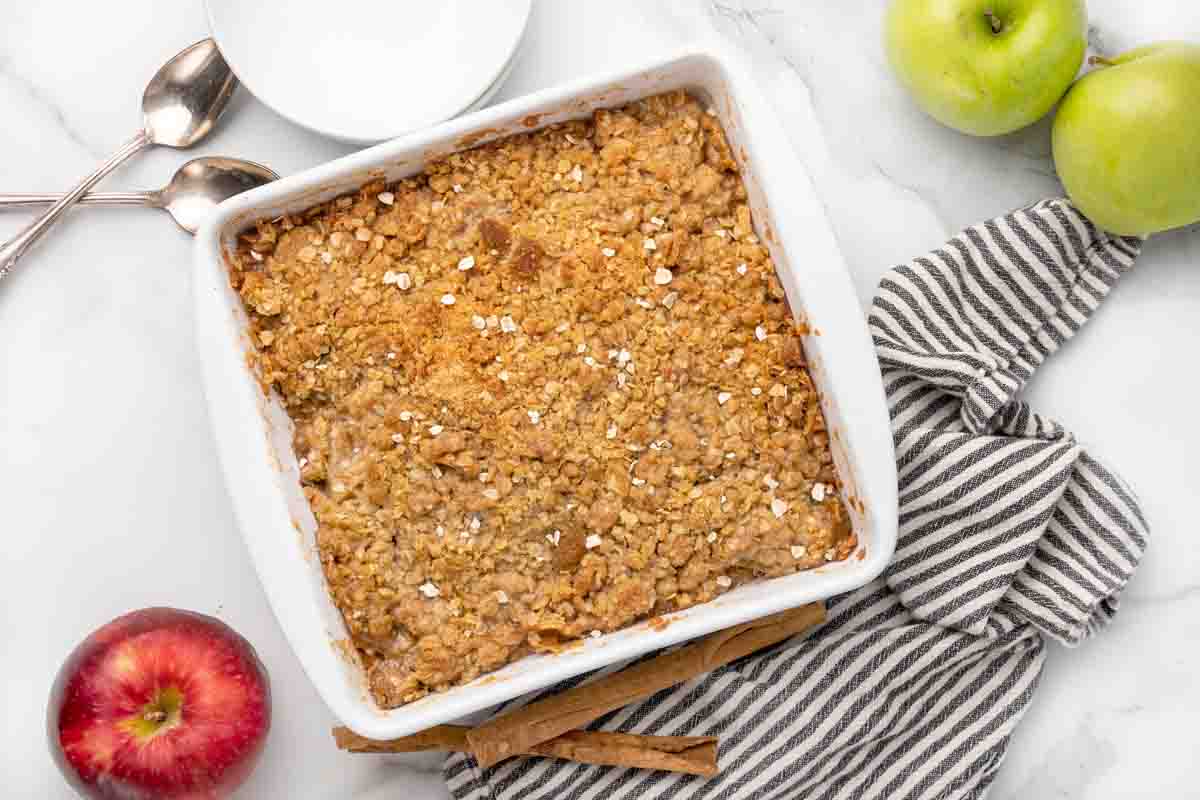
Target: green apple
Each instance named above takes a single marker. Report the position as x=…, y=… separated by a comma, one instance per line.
x=986, y=67
x=1127, y=140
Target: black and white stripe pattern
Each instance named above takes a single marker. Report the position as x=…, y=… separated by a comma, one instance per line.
x=1009, y=532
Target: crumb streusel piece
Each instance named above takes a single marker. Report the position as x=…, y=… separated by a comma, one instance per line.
x=547, y=388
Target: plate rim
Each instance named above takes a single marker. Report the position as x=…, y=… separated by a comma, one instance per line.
x=501, y=73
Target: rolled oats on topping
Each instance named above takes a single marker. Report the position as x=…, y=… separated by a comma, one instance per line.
x=465, y=263
x=778, y=507
x=799, y=551
x=724, y=581
x=818, y=492
x=723, y=398
x=448, y=299
x=760, y=333
x=663, y=276
x=592, y=542
x=429, y=590
x=368, y=375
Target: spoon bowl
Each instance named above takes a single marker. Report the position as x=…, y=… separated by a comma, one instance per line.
x=202, y=184
x=187, y=96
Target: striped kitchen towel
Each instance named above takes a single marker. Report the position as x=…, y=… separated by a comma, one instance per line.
x=1009, y=532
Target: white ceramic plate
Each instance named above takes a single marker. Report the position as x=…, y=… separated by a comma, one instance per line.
x=254, y=435
x=366, y=70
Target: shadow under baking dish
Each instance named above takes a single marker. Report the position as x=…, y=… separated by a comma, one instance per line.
x=254, y=434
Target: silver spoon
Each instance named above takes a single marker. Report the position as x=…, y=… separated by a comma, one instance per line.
x=194, y=191
x=179, y=107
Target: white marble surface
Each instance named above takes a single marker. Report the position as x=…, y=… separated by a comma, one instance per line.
x=112, y=499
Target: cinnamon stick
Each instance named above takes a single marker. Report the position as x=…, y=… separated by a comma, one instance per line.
x=695, y=755
x=522, y=730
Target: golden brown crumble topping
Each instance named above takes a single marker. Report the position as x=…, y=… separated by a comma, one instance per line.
x=545, y=389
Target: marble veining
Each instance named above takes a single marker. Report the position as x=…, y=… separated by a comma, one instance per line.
x=113, y=498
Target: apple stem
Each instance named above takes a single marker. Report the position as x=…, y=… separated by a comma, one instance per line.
x=993, y=21
x=1100, y=61
x=155, y=715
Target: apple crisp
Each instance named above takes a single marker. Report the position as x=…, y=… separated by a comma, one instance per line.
x=544, y=389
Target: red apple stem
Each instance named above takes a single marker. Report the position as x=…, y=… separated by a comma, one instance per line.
x=993, y=21
x=155, y=715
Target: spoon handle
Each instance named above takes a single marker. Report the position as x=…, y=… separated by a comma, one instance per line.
x=13, y=200
x=12, y=251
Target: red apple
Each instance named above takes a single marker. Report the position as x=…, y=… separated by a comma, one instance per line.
x=159, y=704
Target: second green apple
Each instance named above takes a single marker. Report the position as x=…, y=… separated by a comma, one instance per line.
x=986, y=67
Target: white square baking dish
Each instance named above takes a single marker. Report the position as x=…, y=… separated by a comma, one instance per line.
x=253, y=432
